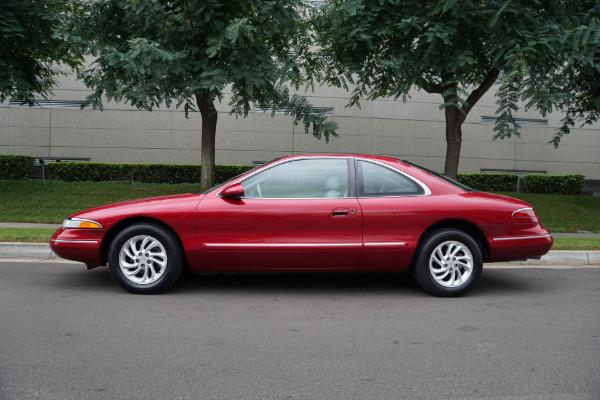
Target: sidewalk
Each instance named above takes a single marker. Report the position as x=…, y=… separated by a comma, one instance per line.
x=27, y=225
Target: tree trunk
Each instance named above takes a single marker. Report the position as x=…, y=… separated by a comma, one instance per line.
x=455, y=117
x=454, y=120
x=453, y=144
x=209, y=130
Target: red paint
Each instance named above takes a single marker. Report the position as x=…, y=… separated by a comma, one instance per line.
x=290, y=234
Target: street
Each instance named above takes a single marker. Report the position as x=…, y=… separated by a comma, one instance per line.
x=522, y=333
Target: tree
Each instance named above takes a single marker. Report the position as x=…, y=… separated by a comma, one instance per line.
x=571, y=81
x=455, y=48
x=187, y=52
x=31, y=48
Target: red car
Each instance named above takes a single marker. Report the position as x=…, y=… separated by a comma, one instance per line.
x=310, y=213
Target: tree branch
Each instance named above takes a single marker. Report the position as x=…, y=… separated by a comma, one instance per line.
x=432, y=88
x=189, y=14
x=481, y=90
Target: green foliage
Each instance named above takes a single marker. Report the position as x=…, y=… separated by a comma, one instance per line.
x=224, y=173
x=567, y=79
x=445, y=46
x=491, y=182
x=543, y=53
x=554, y=184
x=156, y=52
x=581, y=97
x=15, y=166
x=153, y=53
x=30, y=46
x=145, y=173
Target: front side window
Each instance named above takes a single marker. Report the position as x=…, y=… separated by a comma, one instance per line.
x=376, y=180
x=300, y=179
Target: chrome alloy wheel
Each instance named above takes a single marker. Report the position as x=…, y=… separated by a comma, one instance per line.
x=451, y=264
x=143, y=259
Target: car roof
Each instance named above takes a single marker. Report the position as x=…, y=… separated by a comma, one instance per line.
x=365, y=156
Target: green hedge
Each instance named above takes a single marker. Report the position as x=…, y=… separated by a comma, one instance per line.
x=13, y=167
x=491, y=182
x=554, y=184
x=21, y=167
x=145, y=173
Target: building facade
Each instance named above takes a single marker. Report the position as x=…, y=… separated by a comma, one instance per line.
x=413, y=130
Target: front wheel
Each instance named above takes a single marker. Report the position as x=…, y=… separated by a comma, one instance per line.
x=447, y=263
x=145, y=259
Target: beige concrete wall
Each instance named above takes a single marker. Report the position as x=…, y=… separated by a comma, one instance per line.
x=413, y=130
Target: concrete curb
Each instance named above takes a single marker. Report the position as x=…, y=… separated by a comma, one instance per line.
x=26, y=250
x=554, y=257
x=28, y=225
x=565, y=257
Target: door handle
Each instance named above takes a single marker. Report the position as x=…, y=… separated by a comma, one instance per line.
x=340, y=211
x=343, y=211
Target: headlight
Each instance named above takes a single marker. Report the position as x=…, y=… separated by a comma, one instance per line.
x=80, y=223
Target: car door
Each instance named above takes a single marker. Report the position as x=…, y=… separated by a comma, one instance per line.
x=299, y=214
x=394, y=207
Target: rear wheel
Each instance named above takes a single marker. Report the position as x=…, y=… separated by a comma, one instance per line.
x=145, y=258
x=448, y=263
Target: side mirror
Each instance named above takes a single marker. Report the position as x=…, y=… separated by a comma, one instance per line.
x=233, y=191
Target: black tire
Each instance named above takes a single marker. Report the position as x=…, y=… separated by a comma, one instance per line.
x=447, y=263
x=145, y=259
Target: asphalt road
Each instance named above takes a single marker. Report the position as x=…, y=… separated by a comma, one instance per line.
x=68, y=333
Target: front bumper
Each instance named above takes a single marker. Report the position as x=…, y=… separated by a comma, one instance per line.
x=81, y=245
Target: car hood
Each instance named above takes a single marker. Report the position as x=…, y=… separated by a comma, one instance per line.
x=154, y=207
x=144, y=200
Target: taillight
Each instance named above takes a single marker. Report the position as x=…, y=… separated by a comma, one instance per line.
x=525, y=213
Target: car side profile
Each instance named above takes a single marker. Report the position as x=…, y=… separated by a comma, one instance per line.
x=310, y=213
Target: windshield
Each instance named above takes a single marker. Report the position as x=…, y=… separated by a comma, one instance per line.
x=235, y=177
x=452, y=181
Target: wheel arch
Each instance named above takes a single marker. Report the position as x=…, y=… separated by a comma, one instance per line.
x=468, y=227
x=119, y=226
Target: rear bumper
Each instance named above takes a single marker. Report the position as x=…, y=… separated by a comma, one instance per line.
x=81, y=245
x=520, y=247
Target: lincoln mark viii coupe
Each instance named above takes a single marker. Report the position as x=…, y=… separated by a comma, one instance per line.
x=310, y=213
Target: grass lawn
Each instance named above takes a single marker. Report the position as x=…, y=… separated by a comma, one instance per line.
x=565, y=213
x=35, y=235
x=52, y=201
x=576, y=244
